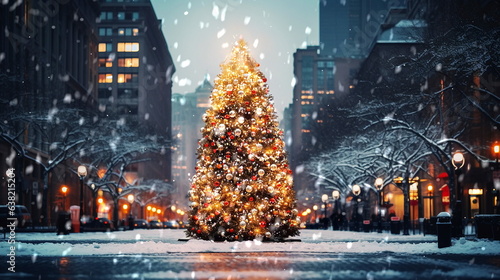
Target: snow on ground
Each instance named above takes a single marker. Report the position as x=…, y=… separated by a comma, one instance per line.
x=167, y=241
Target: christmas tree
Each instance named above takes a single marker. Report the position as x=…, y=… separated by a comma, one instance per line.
x=243, y=187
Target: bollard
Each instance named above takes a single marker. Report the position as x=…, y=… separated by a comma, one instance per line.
x=443, y=226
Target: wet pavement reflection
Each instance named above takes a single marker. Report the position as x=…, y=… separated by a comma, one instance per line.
x=267, y=265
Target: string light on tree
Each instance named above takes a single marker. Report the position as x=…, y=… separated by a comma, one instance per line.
x=243, y=187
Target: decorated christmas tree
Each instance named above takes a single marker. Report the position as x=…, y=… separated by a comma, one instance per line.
x=243, y=187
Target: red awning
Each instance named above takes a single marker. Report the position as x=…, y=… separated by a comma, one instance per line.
x=443, y=175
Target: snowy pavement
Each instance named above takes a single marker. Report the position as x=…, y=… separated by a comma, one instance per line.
x=159, y=254
x=167, y=241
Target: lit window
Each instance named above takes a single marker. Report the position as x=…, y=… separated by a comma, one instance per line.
x=105, y=62
x=127, y=78
x=105, y=78
x=105, y=47
x=128, y=47
x=128, y=62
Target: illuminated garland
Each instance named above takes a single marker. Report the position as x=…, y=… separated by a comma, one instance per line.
x=243, y=187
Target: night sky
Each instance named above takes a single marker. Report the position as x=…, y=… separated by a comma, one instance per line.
x=201, y=33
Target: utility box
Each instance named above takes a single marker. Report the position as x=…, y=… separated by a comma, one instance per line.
x=75, y=217
x=443, y=225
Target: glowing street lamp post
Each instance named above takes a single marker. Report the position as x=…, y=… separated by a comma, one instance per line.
x=336, y=198
x=324, y=198
x=356, y=191
x=315, y=208
x=496, y=177
x=82, y=173
x=64, y=190
x=458, y=162
x=379, y=185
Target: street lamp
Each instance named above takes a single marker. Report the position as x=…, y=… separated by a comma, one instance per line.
x=356, y=191
x=430, y=194
x=130, y=199
x=336, y=197
x=379, y=185
x=315, y=208
x=496, y=175
x=324, y=198
x=64, y=190
x=82, y=173
x=458, y=162
x=336, y=213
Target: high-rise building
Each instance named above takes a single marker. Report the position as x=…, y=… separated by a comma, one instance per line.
x=187, y=111
x=47, y=54
x=314, y=89
x=347, y=28
x=135, y=70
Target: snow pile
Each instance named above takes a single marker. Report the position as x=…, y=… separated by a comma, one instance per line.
x=167, y=241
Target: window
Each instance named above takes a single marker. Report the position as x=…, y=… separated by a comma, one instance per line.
x=128, y=47
x=105, y=47
x=127, y=78
x=106, y=15
x=105, y=62
x=128, y=62
x=127, y=16
x=128, y=31
x=105, y=92
x=105, y=31
x=105, y=78
x=128, y=93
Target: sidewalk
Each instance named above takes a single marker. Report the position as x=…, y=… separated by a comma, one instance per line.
x=160, y=241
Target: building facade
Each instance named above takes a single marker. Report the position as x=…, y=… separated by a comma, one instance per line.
x=47, y=55
x=135, y=69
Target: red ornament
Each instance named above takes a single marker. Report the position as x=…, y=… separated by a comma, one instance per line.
x=264, y=80
x=205, y=205
x=205, y=145
x=226, y=116
x=231, y=230
x=229, y=92
x=272, y=200
x=250, y=199
x=198, y=231
x=216, y=183
x=226, y=203
x=231, y=137
x=262, y=224
x=254, y=178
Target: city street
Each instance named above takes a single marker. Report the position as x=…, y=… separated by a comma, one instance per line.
x=269, y=265
x=316, y=254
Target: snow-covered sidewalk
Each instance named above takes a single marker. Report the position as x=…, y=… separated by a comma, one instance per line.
x=167, y=241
